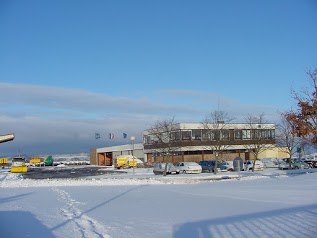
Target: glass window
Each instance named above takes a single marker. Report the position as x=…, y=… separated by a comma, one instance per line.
x=237, y=134
x=246, y=134
x=215, y=135
x=175, y=135
x=256, y=134
x=186, y=135
x=225, y=134
x=154, y=140
x=196, y=134
x=206, y=134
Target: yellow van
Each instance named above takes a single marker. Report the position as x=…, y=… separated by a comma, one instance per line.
x=126, y=162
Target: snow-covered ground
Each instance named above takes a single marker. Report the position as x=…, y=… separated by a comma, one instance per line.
x=271, y=203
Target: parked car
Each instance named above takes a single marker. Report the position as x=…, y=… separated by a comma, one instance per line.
x=229, y=165
x=209, y=165
x=160, y=167
x=299, y=164
x=283, y=164
x=248, y=165
x=270, y=162
x=188, y=167
x=295, y=164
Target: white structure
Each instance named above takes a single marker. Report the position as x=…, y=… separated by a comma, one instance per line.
x=195, y=141
x=106, y=155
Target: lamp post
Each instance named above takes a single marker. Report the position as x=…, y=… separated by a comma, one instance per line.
x=132, y=138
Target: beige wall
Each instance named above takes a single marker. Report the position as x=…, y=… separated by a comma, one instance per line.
x=93, y=157
x=277, y=152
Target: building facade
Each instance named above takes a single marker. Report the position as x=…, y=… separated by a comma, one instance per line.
x=196, y=142
x=106, y=156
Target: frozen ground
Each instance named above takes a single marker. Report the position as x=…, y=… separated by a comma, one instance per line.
x=271, y=203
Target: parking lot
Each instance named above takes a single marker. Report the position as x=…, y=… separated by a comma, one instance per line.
x=96, y=172
x=68, y=172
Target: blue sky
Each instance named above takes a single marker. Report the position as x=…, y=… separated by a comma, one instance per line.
x=69, y=69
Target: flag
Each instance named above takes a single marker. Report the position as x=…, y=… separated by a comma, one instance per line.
x=97, y=135
x=125, y=135
x=111, y=136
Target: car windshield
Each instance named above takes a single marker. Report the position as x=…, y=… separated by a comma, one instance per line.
x=17, y=160
x=191, y=164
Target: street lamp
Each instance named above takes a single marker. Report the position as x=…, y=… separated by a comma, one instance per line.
x=132, y=138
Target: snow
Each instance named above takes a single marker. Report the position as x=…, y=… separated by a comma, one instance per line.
x=270, y=203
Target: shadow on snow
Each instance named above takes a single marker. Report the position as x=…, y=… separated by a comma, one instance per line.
x=26, y=225
x=290, y=222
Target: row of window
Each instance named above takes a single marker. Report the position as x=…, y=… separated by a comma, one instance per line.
x=197, y=152
x=211, y=135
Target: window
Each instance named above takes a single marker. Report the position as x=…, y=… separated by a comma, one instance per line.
x=186, y=135
x=246, y=134
x=263, y=134
x=154, y=140
x=146, y=139
x=237, y=134
x=224, y=134
x=256, y=134
x=206, y=134
x=175, y=135
x=271, y=134
x=196, y=134
x=215, y=135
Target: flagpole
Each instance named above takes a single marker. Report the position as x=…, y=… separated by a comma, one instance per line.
x=132, y=141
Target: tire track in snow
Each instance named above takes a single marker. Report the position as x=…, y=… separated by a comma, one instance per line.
x=87, y=226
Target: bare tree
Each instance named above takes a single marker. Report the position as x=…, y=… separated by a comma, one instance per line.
x=287, y=138
x=162, y=133
x=216, y=132
x=260, y=134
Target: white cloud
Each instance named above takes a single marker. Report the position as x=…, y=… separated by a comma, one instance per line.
x=51, y=119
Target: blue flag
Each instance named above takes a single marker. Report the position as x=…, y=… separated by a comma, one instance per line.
x=125, y=135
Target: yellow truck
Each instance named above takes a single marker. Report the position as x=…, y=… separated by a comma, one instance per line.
x=124, y=162
x=18, y=165
x=3, y=160
x=35, y=161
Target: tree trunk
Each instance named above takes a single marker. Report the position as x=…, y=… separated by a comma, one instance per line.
x=216, y=165
x=165, y=169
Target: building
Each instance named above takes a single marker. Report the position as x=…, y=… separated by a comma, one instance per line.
x=106, y=156
x=196, y=142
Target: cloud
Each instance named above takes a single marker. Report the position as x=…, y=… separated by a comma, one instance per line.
x=75, y=101
x=62, y=120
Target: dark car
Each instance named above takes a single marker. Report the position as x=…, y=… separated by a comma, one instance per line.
x=209, y=165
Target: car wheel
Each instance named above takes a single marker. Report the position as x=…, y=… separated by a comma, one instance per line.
x=184, y=171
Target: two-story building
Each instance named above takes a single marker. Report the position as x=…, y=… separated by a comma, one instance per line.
x=196, y=142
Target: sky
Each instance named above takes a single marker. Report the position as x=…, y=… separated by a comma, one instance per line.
x=70, y=69
x=274, y=204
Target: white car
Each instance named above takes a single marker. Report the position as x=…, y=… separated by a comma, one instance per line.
x=229, y=165
x=270, y=162
x=188, y=167
x=248, y=165
x=159, y=168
